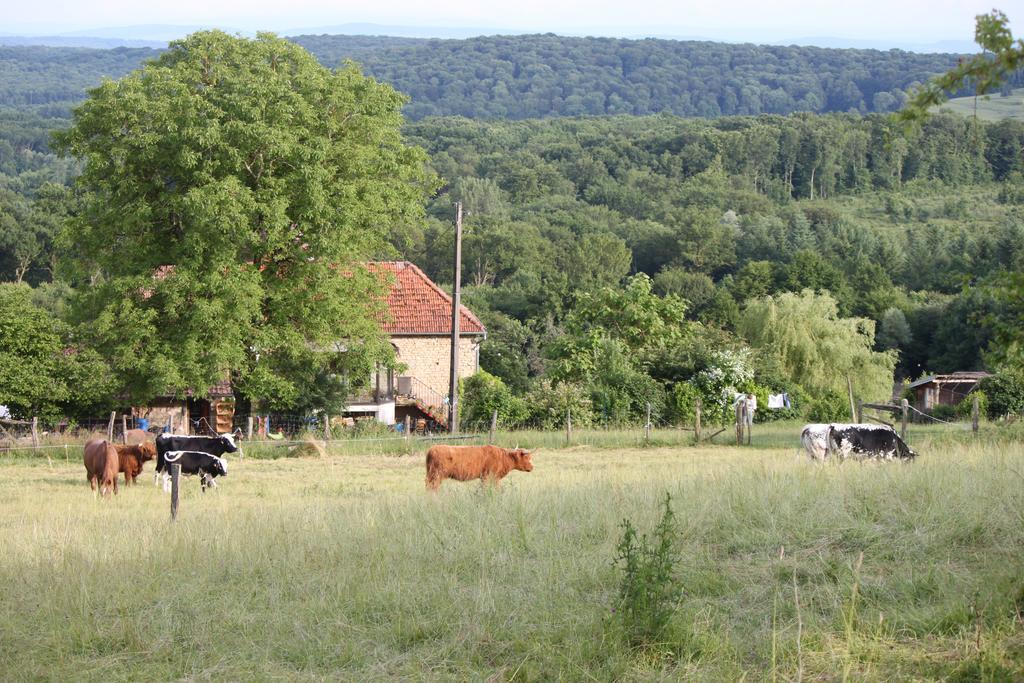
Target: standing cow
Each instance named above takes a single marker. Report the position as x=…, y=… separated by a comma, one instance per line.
x=101, y=465
x=214, y=445
x=207, y=466
x=868, y=441
x=131, y=458
x=463, y=463
x=814, y=438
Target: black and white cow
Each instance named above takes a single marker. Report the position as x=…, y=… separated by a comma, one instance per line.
x=207, y=466
x=214, y=445
x=867, y=441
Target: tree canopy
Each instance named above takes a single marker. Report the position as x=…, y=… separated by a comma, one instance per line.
x=530, y=76
x=817, y=348
x=43, y=372
x=231, y=190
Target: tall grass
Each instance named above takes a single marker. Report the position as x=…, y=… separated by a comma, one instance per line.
x=343, y=567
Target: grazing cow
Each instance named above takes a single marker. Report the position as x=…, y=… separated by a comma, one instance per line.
x=196, y=462
x=214, y=445
x=462, y=463
x=133, y=457
x=101, y=465
x=867, y=441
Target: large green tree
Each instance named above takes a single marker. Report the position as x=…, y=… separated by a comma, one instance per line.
x=43, y=372
x=231, y=190
x=815, y=347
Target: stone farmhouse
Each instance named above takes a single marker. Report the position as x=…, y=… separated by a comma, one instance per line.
x=418, y=320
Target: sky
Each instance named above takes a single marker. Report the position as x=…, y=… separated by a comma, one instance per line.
x=921, y=21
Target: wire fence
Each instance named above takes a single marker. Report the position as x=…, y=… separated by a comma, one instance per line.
x=280, y=434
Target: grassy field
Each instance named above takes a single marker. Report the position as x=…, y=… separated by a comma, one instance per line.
x=343, y=568
x=992, y=107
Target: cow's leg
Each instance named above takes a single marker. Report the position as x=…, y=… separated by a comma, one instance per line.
x=202, y=481
x=167, y=483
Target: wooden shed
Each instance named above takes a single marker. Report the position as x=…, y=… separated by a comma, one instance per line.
x=192, y=415
x=945, y=390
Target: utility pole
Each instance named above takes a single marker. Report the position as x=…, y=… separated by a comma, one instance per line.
x=453, y=385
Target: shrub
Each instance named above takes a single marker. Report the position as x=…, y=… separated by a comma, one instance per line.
x=484, y=393
x=718, y=381
x=1005, y=393
x=944, y=412
x=649, y=590
x=682, y=403
x=830, y=407
x=963, y=409
x=548, y=403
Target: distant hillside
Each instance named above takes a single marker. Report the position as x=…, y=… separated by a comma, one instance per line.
x=533, y=76
x=80, y=41
x=547, y=75
x=51, y=79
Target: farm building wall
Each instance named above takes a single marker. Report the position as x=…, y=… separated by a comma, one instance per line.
x=428, y=359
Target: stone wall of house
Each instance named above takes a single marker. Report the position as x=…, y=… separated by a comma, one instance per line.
x=159, y=413
x=428, y=359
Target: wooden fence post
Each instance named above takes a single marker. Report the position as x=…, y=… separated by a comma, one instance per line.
x=696, y=420
x=494, y=426
x=175, y=477
x=110, y=427
x=35, y=431
x=647, y=424
x=860, y=411
x=124, y=428
x=748, y=417
x=327, y=426
x=408, y=427
x=568, y=425
x=853, y=408
x=974, y=414
x=904, y=405
x=170, y=423
x=740, y=406
x=248, y=428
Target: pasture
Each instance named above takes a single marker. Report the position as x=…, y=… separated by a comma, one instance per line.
x=991, y=107
x=344, y=568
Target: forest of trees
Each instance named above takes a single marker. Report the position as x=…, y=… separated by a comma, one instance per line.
x=907, y=233
x=622, y=259
x=530, y=76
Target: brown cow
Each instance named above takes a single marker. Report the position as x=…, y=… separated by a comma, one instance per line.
x=101, y=465
x=133, y=457
x=462, y=463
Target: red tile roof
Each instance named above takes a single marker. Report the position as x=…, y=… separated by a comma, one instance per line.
x=418, y=306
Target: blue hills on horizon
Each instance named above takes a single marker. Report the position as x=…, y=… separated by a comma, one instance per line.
x=158, y=35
